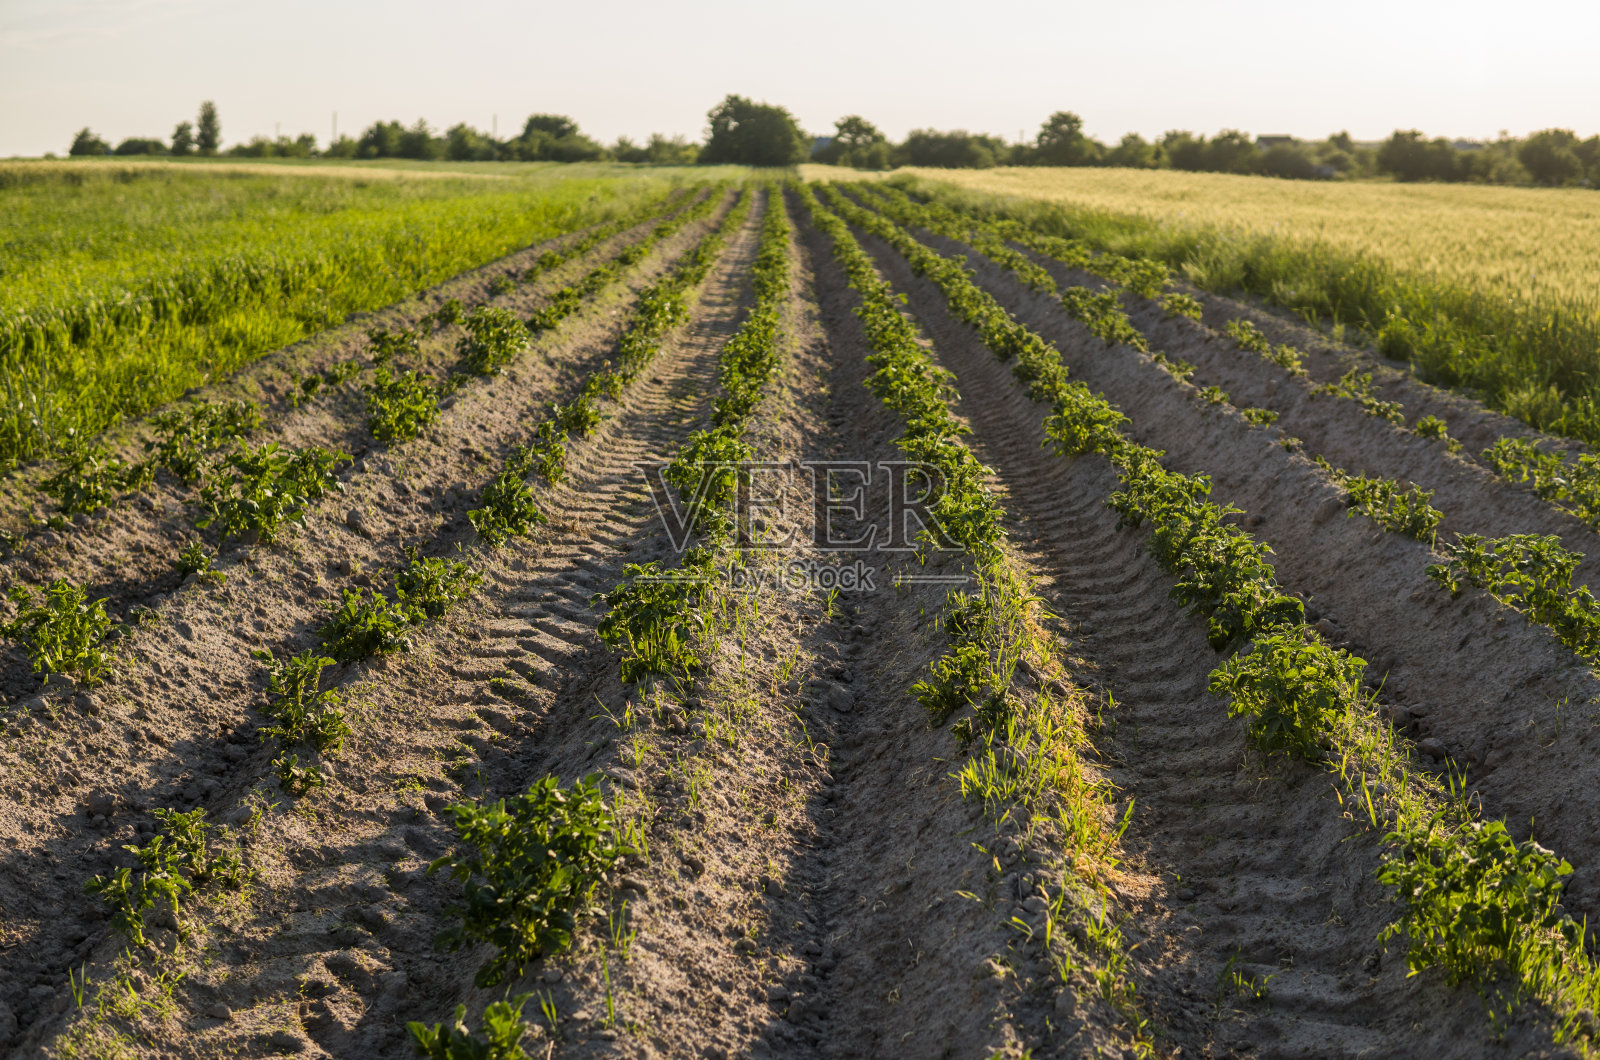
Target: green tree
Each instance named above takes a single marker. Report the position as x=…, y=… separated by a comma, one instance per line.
x=672, y=150
x=855, y=142
x=1551, y=157
x=753, y=134
x=1184, y=150
x=209, y=137
x=1231, y=151
x=381, y=139
x=183, y=139
x=419, y=142
x=555, y=126
x=1407, y=156
x=1133, y=152
x=1290, y=161
x=957, y=149
x=87, y=143
x=553, y=138
x=1061, y=142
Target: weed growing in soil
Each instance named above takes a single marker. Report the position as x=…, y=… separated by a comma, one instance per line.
x=1180, y=370
x=1259, y=417
x=580, y=417
x=1475, y=900
x=180, y=859
x=531, y=870
x=502, y=285
x=62, y=631
x=503, y=1029
x=266, y=488
x=449, y=312
x=1102, y=314
x=1249, y=337
x=400, y=407
x=1290, y=689
x=549, y=452
x=494, y=337
x=302, y=714
x=1223, y=573
x=655, y=618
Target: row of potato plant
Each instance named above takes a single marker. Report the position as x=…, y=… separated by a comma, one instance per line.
x=1573, y=485
x=1528, y=573
x=188, y=856
x=1476, y=904
x=655, y=617
x=303, y=716
x=564, y=302
x=531, y=866
x=1024, y=754
x=662, y=306
x=250, y=494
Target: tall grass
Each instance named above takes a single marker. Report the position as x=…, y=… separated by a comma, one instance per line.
x=120, y=287
x=1488, y=290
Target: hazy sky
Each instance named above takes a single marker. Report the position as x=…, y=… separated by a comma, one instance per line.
x=137, y=67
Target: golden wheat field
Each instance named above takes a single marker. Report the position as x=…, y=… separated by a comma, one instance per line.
x=1531, y=243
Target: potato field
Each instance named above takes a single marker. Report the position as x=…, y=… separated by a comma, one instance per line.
x=716, y=614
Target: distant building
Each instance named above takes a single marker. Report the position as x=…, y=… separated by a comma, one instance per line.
x=1268, y=142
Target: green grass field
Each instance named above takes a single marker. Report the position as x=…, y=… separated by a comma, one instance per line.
x=123, y=284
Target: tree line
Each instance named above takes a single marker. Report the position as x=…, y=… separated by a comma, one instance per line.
x=743, y=131
x=1552, y=157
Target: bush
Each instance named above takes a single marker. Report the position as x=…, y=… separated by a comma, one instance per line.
x=135, y=145
x=1551, y=157
x=1290, y=161
x=533, y=866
